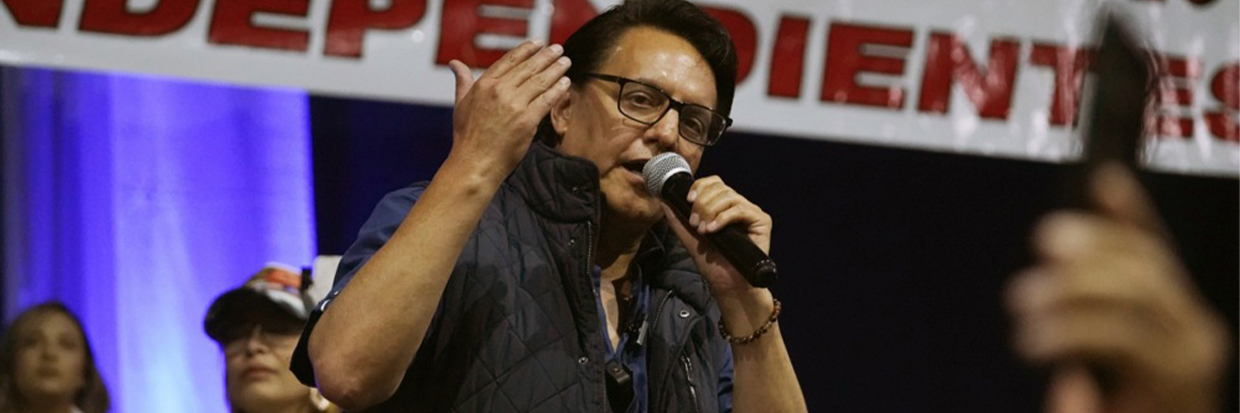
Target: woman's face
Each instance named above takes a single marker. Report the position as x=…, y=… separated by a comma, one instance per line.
x=257, y=372
x=51, y=358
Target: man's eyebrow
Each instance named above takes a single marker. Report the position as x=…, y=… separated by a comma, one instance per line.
x=654, y=83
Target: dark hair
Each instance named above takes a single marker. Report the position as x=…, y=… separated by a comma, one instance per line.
x=93, y=398
x=590, y=45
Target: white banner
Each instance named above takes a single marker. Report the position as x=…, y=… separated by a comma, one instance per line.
x=989, y=77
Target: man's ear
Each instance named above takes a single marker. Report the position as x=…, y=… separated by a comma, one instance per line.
x=561, y=112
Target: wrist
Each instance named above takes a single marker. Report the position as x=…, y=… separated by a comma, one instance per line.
x=756, y=329
x=743, y=312
x=471, y=172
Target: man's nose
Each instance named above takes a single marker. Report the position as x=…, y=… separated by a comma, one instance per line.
x=666, y=131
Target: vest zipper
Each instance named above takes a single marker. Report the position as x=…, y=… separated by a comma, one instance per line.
x=688, y=365
x=659, y=311
x=589, y=273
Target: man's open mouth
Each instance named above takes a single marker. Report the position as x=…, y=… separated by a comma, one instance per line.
x=635, y=166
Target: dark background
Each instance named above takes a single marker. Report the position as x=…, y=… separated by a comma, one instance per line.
x=893, y=261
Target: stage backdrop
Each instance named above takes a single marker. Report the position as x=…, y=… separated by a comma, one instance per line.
x=989, y=77
x=136, y=201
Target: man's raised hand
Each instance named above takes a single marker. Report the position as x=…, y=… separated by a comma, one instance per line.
x=496, y=114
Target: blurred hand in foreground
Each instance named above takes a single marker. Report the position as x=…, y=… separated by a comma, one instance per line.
x=1108, y=291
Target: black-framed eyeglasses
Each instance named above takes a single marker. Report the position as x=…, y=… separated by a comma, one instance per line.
x=647, y=105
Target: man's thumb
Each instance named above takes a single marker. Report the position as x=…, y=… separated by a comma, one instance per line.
x=464, y=78
x=1119, y=195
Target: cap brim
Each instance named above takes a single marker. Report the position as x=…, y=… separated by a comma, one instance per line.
x=235, y=313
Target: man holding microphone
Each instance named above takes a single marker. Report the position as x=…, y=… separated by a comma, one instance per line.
x=535, y=272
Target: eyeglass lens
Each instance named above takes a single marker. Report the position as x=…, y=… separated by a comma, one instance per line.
x=648, y=105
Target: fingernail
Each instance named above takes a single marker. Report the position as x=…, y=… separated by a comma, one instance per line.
x=557, y=48
x=536, y=42
x=712, y=226
x=563, y=61
x=564, y=82
x=692, y=196
x=693, y=219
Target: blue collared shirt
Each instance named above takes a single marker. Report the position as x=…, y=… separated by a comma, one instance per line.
x=629, y=354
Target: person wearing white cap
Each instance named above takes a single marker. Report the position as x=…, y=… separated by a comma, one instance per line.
x=257, y=326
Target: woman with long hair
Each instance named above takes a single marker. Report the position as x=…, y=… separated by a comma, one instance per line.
x=47, y=365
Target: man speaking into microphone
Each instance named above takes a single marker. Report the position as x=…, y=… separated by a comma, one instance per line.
x=535, y=271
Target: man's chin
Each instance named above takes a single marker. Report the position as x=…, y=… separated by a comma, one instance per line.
x=634, y=208
x=644, y=212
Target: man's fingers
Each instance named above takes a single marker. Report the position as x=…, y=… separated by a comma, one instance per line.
x=716, y=206
x=737, y=213
x=464, y=78
x=710, y=205
x=705, y=192
x=701, y=185
x=547, y=58
x=544, y=102
x=532, y=87
x=1100, y=332
x=690, y=239
x=1075, y=236
x=1031, y=291
x=1095, y=246
x=1062, y=236
x=513, y=58
x=752, y=217
x=1045, y=289
x=1078, y=313
x=711, y=197
x=1116, y=191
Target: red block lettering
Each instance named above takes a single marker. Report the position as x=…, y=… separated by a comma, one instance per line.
x=349, y=20
x=744, y=36
x=114, y=16
x=1225, y=86
x=845, y=60
x=788, y=57
x=990, y=89
x=461, y=24
x=1069, y=66
x=569, y=15
x=35, y=13
x=1175, y=78
x=233, y=23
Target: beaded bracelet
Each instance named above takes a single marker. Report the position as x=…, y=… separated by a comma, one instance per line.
x=723, y=331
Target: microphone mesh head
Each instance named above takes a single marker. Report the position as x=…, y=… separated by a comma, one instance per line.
x=661, y=167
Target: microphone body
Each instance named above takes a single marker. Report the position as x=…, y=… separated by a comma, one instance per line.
x=672, y=180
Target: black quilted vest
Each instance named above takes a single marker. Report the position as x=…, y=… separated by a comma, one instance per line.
x=517, y=329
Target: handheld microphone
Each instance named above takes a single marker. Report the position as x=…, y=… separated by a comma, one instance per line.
x=668, y=176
